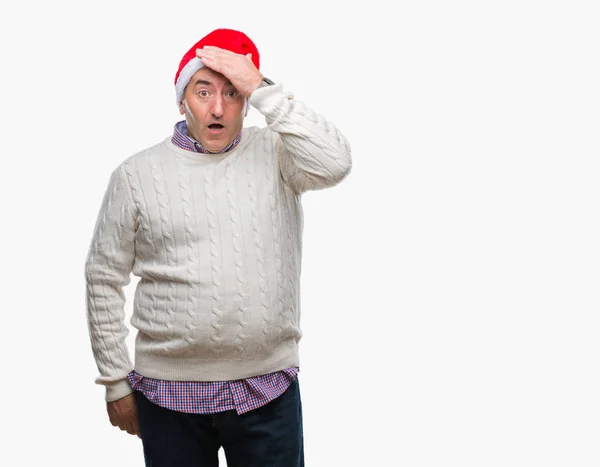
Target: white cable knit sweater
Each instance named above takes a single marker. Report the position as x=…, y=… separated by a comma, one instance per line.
x=216, y=241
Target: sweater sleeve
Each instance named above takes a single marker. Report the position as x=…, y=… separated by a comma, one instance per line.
x=313, y=153
x=107, y=270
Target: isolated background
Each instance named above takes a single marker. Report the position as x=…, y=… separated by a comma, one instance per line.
x=450, y=283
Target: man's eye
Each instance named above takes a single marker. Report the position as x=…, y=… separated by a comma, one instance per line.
x=232, y=94
x=203, y=93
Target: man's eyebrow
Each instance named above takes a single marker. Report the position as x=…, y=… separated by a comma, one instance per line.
x=205, y=82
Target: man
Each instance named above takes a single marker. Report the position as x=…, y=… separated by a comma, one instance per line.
x=210, y=220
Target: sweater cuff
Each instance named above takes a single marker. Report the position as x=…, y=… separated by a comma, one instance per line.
x=118, y=390
x=266, y=98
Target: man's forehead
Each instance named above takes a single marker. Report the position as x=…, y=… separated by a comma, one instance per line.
x=207, y=76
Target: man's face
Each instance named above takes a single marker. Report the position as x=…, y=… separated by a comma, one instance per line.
x=213, y=108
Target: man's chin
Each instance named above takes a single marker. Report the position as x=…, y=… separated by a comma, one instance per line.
x=216, y=142
x=215, y=146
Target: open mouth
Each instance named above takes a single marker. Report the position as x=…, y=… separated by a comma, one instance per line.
x=216, y=126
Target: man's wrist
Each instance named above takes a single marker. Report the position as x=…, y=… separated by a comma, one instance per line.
x=266, y=82
x=261, y=84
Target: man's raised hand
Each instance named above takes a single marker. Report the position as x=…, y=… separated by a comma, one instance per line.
x=237, y=68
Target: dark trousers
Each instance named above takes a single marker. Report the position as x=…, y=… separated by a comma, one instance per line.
x=269, y=436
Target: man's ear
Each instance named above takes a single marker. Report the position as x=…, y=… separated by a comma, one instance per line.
x=181, y=108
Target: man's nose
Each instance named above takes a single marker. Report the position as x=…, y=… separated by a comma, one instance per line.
x=217, y=109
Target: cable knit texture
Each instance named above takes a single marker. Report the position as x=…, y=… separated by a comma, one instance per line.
x=216, y=241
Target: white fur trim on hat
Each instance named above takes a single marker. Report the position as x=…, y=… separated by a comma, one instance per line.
x=185, y=76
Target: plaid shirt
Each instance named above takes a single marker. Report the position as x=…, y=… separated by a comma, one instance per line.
x=205, y=397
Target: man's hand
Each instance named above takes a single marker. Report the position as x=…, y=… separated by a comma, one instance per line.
x=237, y=68
x=123, y=413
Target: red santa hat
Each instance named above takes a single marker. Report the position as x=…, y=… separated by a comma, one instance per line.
x=229, y=39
